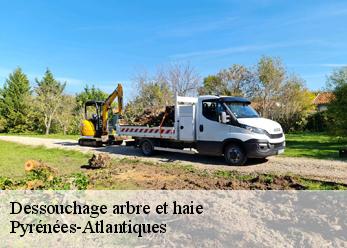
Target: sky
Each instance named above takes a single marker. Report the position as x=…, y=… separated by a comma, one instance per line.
x=102, y=43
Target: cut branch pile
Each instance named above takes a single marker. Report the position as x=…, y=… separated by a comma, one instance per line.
x=154, y=118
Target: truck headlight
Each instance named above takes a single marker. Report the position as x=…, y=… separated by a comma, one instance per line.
x=254, y=129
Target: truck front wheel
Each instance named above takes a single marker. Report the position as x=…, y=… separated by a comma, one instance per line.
x=235, y=155
x=147, y=147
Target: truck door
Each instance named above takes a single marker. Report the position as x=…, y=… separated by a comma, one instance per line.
x=210, y=131
x=186, y=127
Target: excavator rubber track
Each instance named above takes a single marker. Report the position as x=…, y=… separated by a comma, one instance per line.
x=89, y=142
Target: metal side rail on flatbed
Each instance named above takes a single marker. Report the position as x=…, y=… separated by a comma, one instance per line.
x=147, y=132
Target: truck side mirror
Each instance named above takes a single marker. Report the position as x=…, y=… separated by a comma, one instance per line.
x=224, y=118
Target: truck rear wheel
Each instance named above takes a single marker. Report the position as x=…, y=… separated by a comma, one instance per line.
x=147, y=147
x=234, y=154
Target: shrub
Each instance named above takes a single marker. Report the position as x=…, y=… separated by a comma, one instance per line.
x=5, y=183
x=318, y=122
x=44, y=177
x=80, y=181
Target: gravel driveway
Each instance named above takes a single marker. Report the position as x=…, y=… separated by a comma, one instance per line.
x=327, y=170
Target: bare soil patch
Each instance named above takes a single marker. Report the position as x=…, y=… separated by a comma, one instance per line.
x=151, y=176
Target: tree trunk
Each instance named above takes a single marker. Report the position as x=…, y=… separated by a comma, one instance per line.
x=47, y=129
x=48, y=126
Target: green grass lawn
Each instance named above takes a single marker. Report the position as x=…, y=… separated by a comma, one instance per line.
x=315, y=145
x=50, y=136
x=13, y=157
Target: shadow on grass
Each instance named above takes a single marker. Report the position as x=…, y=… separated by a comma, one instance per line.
x=326, y=149
x=166, y=157
x=314, y=144
x=88, y=167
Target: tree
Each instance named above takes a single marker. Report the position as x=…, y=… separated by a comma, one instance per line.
x=15, y=105
x=66, y=114
x=90, y=94
x=212, y=85
x=153, y=94
x=153, y=91
x=183, y=79
x=337, y=109
x=237, y=80
x=271, y=73
x=156, y=91
x=49, y=98
x=3, y=124
x=294, y=104
x=337, y=78
x=273, y=93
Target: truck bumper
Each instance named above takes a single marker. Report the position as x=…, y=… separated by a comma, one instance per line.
x=262, y=148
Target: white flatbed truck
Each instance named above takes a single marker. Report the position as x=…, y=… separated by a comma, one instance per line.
x=212, y=125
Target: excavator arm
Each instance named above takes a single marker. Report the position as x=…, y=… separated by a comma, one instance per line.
x=118, y=92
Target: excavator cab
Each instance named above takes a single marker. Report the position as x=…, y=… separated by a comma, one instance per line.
x=95, y=126
x=91, y=126
x=92, y=112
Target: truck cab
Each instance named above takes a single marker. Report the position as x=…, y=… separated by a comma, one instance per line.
x=229, y=126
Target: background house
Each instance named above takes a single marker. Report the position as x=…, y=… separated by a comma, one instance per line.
x=322, y=100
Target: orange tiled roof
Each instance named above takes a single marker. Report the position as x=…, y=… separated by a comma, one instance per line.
x=323, y=98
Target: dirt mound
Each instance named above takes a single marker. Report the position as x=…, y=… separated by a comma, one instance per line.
x=99, y=161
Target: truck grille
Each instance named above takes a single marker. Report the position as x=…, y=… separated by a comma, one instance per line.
x=275, y=136
x=278, y=145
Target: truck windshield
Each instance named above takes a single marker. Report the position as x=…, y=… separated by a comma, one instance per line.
x=241, y=110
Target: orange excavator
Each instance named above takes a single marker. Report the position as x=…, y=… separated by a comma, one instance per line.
x=95, y=130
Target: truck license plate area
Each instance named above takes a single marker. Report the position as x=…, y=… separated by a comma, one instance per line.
x=280, y=151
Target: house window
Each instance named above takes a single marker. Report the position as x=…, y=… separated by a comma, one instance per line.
x=322, y=107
